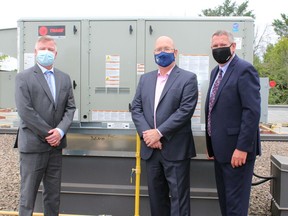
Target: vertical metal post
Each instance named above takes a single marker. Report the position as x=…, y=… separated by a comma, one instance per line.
x=138, y=173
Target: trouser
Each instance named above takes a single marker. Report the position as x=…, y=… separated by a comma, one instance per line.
x=34, y=167
x=234, y=186
x=168, y=178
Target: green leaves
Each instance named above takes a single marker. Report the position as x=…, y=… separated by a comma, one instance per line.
x=2, y=57
x=275, y=66
x=229, y=9
x=281, y=26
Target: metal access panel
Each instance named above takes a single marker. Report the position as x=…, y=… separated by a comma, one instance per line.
x=278, y=186
x=7, y=86
x=67, y=35
x=264, y=91
x=112, y=70
x=192, y=39
x=8, y=38
x=193, y=36
x=8, y=46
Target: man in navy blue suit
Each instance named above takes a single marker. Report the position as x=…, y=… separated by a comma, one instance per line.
x=162, y=108
x=232, y=113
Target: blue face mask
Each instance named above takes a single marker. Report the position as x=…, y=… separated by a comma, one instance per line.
x=45, y=58
x=164, y=59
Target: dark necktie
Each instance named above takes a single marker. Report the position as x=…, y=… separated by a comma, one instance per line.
x=212, y=99
x=51, y=84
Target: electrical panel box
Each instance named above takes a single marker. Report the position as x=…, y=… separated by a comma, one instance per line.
x=106, y=57
x=7, y=85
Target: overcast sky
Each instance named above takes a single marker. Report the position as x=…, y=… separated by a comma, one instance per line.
x=12, y=10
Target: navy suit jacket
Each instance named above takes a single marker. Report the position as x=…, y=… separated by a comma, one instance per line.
x=236, y=112
x=173, y=115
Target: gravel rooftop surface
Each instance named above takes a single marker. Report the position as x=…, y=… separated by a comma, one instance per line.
x=260, y=200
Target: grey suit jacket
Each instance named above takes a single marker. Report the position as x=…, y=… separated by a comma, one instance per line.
x=173, y=115
x=37, y=110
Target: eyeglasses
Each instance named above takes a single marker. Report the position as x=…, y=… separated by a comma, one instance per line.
x=165, y=49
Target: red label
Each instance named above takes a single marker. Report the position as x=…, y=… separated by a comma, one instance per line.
x=51, y=30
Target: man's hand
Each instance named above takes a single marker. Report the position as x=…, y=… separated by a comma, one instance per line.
x=157, y=145
x=208, y=157
x=238, y=158
x=54, y=138
x=152, y=138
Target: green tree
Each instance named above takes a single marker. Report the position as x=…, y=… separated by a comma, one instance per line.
x=281, y=26
x=275, y=66
x=229, y=9
x=2, y=57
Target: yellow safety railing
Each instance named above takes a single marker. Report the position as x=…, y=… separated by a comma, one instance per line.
x=137, y=171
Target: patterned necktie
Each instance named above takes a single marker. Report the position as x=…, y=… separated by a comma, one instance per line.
x=212, y=99
x=51, y=82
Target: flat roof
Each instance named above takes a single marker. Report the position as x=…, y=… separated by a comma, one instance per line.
x=150, y=18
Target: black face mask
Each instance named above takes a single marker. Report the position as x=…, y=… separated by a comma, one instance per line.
x=222, y=54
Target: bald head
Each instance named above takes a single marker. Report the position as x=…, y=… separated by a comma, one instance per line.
x=164, y=41
x=165, y=53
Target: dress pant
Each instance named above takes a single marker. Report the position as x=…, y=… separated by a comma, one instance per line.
x=34, y=167
x=233, y=187
x=168, y=178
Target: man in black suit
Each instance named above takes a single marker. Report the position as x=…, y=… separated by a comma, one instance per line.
x=162, y=108
x=232, y=124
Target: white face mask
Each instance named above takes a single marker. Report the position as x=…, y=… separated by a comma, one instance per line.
x=45, y=57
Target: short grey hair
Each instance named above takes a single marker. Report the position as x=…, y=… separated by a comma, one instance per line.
x=46, y=38
x=224, y=32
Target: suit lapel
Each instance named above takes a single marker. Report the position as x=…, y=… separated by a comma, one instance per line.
x=226, y=77
x=57, y=84
x=172, y=77
x=41, y=78
x=152, y=88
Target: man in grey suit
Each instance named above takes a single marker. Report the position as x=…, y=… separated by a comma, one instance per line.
x=162, y=108
x=45, y=104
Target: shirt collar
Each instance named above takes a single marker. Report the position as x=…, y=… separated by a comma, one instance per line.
x=168, y=73
x=45, y=69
